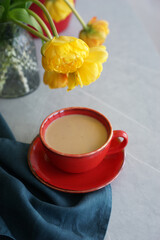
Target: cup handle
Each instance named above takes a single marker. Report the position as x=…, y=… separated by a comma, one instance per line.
x=118, y=146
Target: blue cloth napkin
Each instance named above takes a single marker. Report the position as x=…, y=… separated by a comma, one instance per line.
x=30, y=210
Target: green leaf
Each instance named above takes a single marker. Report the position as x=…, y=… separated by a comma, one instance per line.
x=20, y=4
x=21, y=14
x=5, y=4
x=1, y=12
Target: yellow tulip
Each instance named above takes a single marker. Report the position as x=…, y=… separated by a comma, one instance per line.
x=58, y=9
x=84, y=75
x=96, y=32
x=64, y=54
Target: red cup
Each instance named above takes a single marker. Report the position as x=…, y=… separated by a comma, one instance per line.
x=77, y=163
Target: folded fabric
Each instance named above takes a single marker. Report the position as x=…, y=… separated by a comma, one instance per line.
x=30, y=210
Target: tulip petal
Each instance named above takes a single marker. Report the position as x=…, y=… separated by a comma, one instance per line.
x=88, y=73
x=55, y=80
x=97, y=54
x=71, y=81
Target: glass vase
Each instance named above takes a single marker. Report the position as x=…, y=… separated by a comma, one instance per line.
x=18, y=63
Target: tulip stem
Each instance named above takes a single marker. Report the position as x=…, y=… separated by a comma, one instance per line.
x=38, y=34
x=14, y=5
x=41, y=23
x=76, y=14
x=38, y=3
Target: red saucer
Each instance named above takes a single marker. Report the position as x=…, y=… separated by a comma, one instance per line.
x=89, y=181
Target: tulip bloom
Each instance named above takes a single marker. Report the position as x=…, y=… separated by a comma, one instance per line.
x=89, y=71
x=64, y=54
x=95, y=33
x=58, y=9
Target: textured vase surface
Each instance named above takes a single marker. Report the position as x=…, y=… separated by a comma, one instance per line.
x=18, y=63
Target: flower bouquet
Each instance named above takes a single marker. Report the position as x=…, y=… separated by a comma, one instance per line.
x=68, y=61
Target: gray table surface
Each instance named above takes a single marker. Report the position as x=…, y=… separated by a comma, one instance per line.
x=128, y=93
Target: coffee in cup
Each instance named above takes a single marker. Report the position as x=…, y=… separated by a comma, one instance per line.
x=76, y=134
x=77, y=139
